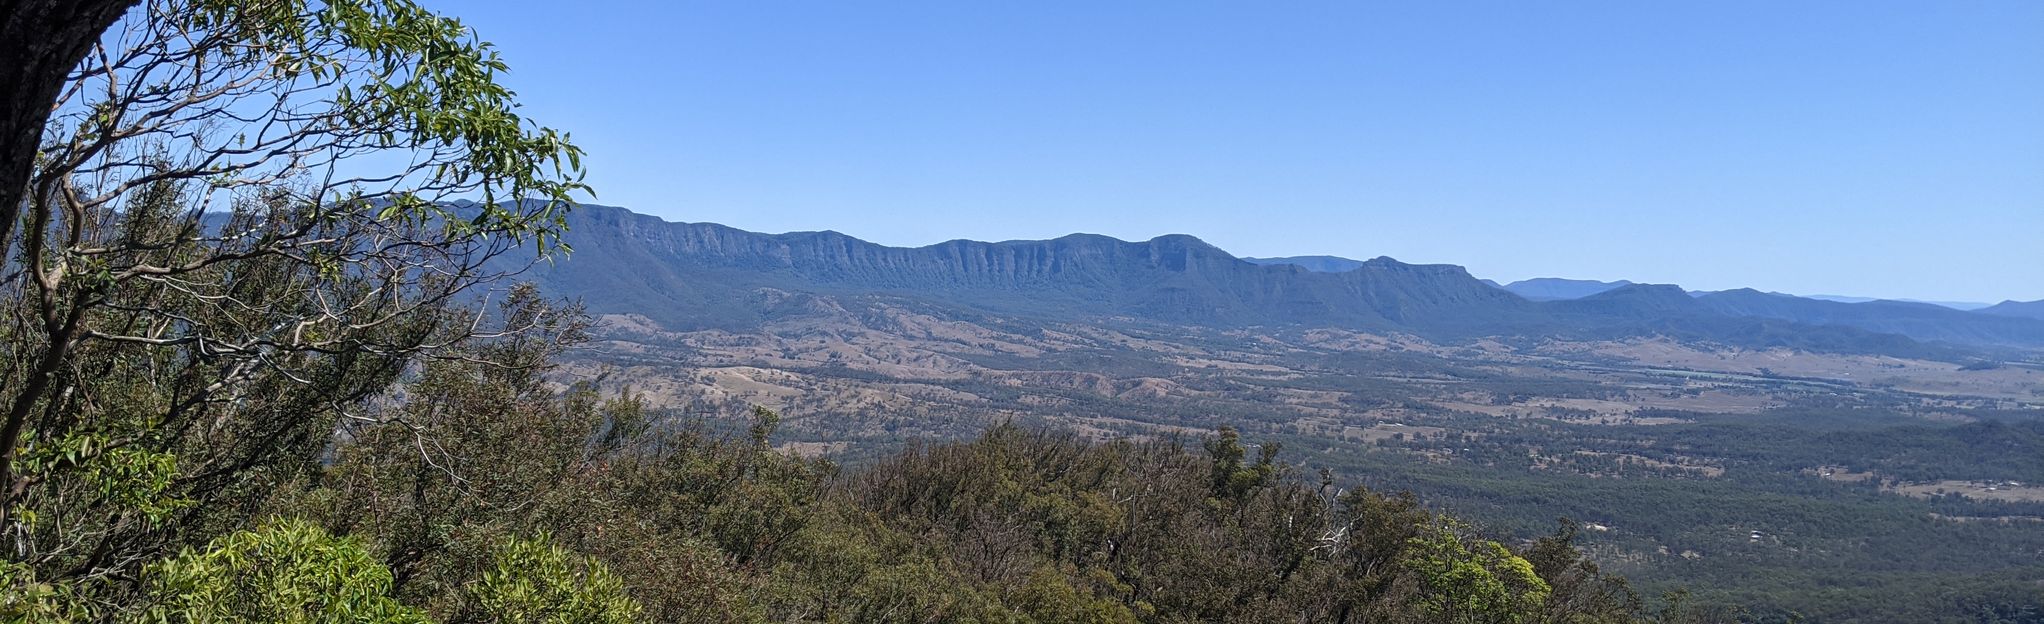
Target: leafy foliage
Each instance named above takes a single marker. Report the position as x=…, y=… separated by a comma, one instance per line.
x=536, y=582
x=287, y=572
x=1472, y=582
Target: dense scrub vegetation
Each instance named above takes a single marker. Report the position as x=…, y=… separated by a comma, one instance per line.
x=491, y=495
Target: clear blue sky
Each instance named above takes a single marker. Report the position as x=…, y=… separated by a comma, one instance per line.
x=1888, y=149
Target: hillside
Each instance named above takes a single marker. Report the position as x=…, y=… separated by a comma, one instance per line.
x=1956, y=305
x=1923, y=321
x=2019, y=309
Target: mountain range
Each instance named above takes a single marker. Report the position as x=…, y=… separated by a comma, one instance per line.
x=1556, y=288
x=1956, y=305
x=704, y=275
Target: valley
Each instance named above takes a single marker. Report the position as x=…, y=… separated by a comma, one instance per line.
x=1680, y=451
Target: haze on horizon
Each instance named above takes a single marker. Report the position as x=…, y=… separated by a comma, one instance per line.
x=1882, y=149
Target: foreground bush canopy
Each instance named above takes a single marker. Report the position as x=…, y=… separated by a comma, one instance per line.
x=491, y=495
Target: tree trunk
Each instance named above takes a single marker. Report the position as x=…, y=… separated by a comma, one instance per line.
x=40, y=42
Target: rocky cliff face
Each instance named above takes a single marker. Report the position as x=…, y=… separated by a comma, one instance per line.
x=623, y=259
x=701, y=275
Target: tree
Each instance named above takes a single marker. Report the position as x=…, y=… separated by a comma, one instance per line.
x=535, y=582
x=1472, y=580
x=1582, y=592
x=481, y=449
x=285, y=572
x=163, y=363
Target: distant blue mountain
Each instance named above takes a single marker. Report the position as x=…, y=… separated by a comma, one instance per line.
x=1317, y=264
x=1922, y=321
x=1956, y=305
x=1558, y=289
x=2020, y=309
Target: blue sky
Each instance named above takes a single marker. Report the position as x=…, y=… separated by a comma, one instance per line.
x=1889, y=149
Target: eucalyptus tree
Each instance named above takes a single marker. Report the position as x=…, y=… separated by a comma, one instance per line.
x=236, y=230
